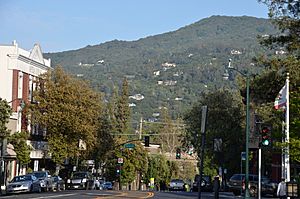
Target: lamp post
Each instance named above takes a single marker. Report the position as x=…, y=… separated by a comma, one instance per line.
x=246, y=75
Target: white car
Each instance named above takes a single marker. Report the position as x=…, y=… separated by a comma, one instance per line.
x=24, y=183
x=98, y=184
x=176, y=184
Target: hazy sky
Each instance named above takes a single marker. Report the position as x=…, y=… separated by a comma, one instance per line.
x=60, y=25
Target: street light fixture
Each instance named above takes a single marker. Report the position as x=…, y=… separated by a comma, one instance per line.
x=246, y=75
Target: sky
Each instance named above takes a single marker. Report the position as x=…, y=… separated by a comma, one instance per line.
x=61, y=25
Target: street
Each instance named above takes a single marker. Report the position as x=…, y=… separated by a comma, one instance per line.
x=96, y=194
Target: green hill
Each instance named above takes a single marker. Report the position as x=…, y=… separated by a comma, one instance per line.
x=171, y=69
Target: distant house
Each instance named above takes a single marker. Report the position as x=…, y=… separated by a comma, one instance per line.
x=178, y=99
x=170, y=83
x=280, y=52
x=156, y=73
x=166, y=66
x=235, y=52
x=131, y=104
x=100, y=61
x=137, y=97
x=85, y=65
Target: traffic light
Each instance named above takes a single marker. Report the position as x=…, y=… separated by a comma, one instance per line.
x=265, y=133
x=178, y=153
x=118, y=170
x=147, y=141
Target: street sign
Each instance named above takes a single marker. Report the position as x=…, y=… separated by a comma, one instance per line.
x=129, y=145
x=120, y=160
x=243, y=155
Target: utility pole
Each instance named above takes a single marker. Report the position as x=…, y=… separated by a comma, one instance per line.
x=141, y=128
x=203, y=137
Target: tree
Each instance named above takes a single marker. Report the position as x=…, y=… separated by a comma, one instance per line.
x=159, y=169
x=104, y=138
x=170, y=134
x=123, y=110
x=5, y=112
x=135, y=163
x=285, y=15
x=18, y=140
x=224, y=121
x=68, y=109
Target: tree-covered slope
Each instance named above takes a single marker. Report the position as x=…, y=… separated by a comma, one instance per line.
x=171, y=69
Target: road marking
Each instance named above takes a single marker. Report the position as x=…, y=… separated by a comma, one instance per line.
x=119, y=195
x=55, y=196
x=150, y=195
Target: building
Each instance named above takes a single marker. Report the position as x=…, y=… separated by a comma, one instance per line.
x=19, y=69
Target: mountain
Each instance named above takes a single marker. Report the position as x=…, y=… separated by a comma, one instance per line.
x=171, y=69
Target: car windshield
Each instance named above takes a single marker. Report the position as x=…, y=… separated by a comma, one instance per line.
x=237, y=177
x=177, y=181
x=107, y=183
x=21, y=178
x=79, y=175
x=197, y=178
x=55, y=178
x=39, y=174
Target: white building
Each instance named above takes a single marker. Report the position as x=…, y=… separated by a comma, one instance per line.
x=18, y=70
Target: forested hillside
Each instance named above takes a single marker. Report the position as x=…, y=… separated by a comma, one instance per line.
x=172, y=69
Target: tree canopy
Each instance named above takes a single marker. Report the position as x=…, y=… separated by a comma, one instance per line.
x=68, y=109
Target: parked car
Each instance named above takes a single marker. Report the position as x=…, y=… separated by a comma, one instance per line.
x=58, y=183
x=206, y=183
x=23, y=183
x=107, y=186
x=81, y=180
x=98, y=183
x=45, y=179
x=176, y=184
x=236, y=184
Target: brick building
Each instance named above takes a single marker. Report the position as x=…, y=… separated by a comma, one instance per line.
x=18, y=70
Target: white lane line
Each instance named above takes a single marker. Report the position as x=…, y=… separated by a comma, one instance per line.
x=55, y=196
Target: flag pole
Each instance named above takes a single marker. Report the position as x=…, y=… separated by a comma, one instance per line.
x=287, y=131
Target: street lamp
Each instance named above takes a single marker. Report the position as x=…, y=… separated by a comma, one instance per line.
x=246, y=75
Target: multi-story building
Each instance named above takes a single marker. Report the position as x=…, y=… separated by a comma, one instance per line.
x=19, y=69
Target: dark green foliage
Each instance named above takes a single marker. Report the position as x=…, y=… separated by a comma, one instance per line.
x=199, y=51
x=18, y=140
x=5, y=112
x=286, y=15
x=123, y=112
x=224, y=120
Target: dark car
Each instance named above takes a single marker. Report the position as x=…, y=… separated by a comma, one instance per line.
x=107, y=186
x=236, y=185
x=81, y=180
x=58, y=183
x=206, y=183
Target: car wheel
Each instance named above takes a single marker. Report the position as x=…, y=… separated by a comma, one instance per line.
x=31, y=189
x=63, y=187
x=236, y=193
x=252, y=191
x=39, y=189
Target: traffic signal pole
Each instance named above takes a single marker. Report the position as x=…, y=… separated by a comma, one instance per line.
x=259, y=173
x=203, y=138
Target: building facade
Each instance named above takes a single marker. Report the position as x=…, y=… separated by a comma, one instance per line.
x=19, y=69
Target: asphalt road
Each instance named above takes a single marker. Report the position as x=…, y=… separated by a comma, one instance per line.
x=96, y=194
